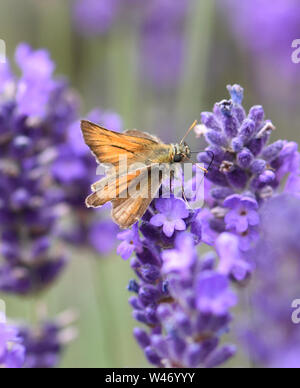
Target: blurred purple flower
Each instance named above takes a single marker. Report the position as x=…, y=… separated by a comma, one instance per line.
x=31, y=203
x=45, y=170
x=270, y=335
x=94, y=17
x=36, y=84
x=213, y=293
x=232, y=263
x=12, y=351
x=267, y=29
x=102, y=236
x=161, y=25
x=45, y=343
x=162, y=42
x=182, y=258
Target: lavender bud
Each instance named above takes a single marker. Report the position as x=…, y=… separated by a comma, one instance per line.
x=237, y=144
x=239, y=112
x=256, y=146
x=257, y=114
x=273, y=150
x=231, y=126
x=148, y=294
x=152, y=356
x=135, y=302
x=237, y=178
x=220, y=193
x=216, y=138
x=220, y=356
x=247, y=130
x=245, y=158
x=194, y=355
x=184, y=324
x=161, y=345
x=142, y=337
x=133, y=286
x=210, y=121
x=236, y=93
x=267, y=177
x=258, y=166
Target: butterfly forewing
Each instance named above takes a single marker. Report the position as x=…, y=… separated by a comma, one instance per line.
x=119, y=185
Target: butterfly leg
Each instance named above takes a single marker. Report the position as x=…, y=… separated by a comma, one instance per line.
x=184, y=197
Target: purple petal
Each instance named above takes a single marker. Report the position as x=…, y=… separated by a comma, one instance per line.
x=158, y=220
x=242, y=224
x=253, y=218
x=233, y=201
x=180, y=225
x=169, y=228
x=125, y=250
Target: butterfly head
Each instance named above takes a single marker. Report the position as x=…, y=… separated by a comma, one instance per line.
x=181, y=153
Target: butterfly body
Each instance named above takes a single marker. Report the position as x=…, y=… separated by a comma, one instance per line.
x=135, y=148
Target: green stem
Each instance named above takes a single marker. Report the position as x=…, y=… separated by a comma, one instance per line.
x=102, y=285
x=199, y=36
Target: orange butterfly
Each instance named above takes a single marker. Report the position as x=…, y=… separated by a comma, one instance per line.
x=135, y=148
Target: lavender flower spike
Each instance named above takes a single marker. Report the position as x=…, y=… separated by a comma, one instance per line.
x=246, y=165
x=185, y=304
x=184, y=299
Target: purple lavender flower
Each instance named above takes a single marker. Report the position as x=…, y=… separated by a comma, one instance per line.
x=102, y=236
x=185, y=303
x=242, y=214
x=185, y=299
x=162, y=42
x=12, y=351
x=214, y=295
x=232, y=262
x=181, y=257
x=94, y=17
x=270, y=335
x=130, y=243
x=31, y=202
x=45, y=170
x=258, y=24
x=247, y=170
x=36, y=84
x=46, y=343
x=171, y=214
x=161, y=25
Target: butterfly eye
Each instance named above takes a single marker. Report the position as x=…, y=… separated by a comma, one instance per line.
x=177, y=158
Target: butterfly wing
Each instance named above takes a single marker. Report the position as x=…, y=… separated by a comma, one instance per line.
x=108, y=146
x=116, y=187
x=110, y=188
x=127, y=211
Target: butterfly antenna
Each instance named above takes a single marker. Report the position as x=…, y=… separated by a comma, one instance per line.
x=212, y=159
x=212, y=155
x=189, y=130
x=184, y=197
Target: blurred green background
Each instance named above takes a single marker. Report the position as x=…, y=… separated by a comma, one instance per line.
x=103, y=69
